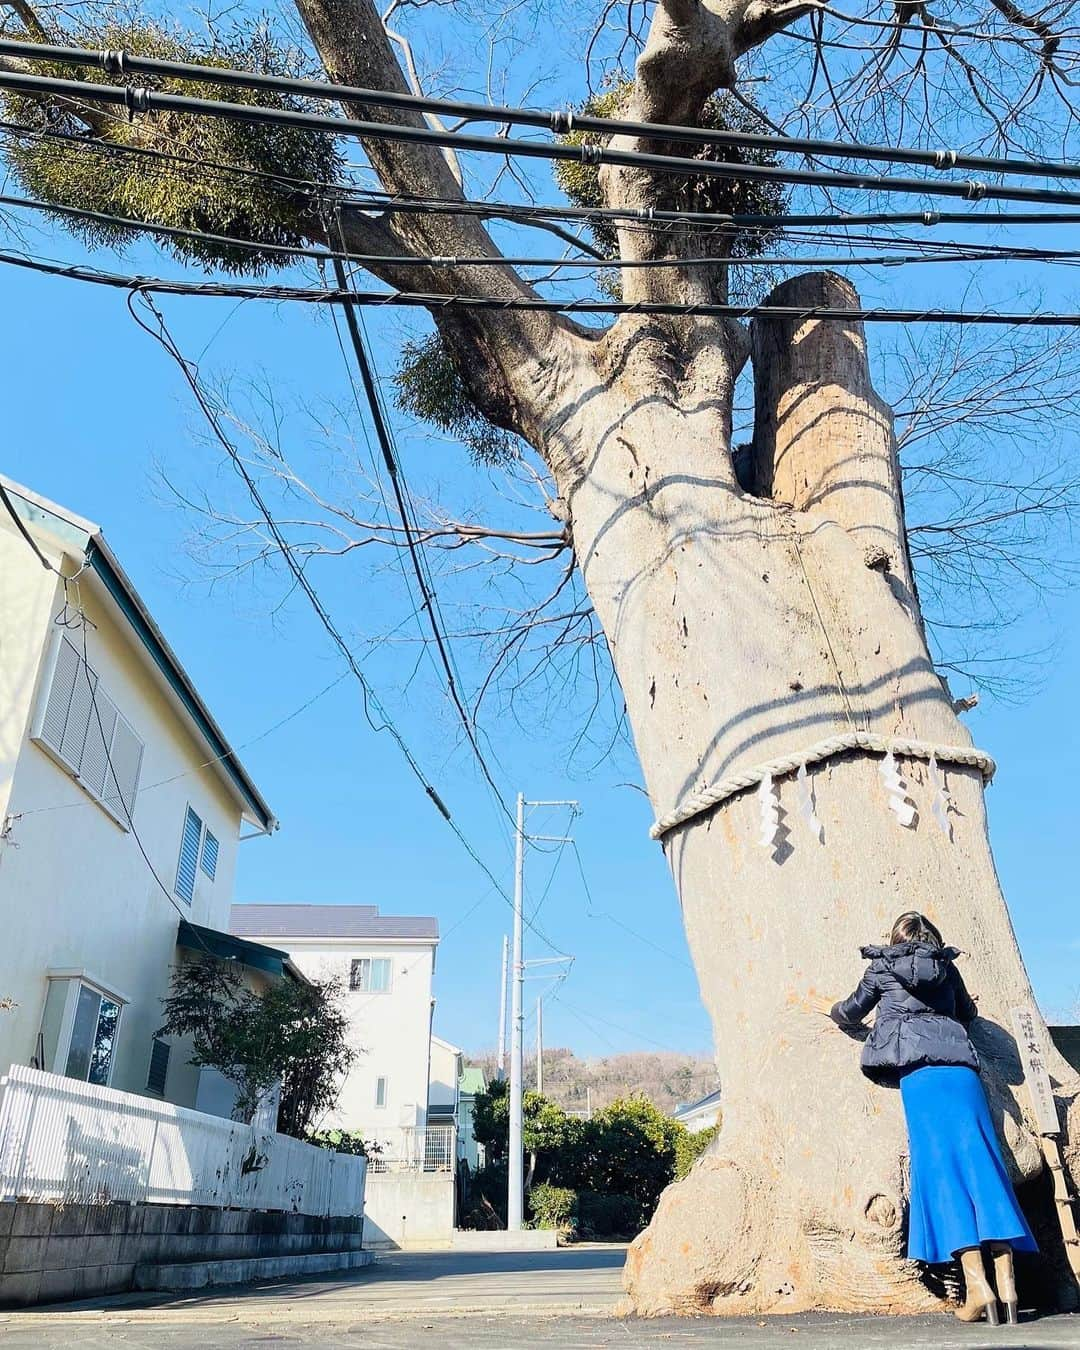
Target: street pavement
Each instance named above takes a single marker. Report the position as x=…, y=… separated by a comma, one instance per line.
x=512, y=1301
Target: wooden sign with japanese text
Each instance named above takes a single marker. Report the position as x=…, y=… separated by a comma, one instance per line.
x=1029, y=1042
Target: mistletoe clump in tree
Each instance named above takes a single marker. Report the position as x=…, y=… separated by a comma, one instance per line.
x=752, y=605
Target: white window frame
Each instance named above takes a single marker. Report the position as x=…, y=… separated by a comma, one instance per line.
x=359, y=989
x=385, y=1081
x=75, y=980
x=37, y=734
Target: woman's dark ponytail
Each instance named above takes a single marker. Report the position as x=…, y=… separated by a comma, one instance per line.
x=915, y=927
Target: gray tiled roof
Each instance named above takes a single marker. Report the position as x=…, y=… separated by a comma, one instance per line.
x=330, y=921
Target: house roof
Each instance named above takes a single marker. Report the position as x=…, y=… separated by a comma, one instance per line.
x=472, y=1079
x=1067, y=1040
x=446, y=1045
x=86, y=539
x=685, y=1109
x=329, y=921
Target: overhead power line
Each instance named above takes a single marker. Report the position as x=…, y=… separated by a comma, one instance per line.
x=428, y=600
x=434, y=301
x=941, y=251
x=163, y=336
x=136, y=101
x=535, y=214
x=120, y=63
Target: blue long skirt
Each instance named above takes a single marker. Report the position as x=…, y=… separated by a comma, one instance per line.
x=961, y=1194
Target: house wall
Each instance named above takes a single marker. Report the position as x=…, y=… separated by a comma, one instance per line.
x=443, y=1080
x=392, y=1031
x=74, y=886
x=467, y=1145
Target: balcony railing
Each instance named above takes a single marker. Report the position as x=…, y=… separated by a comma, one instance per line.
x=417, y=1149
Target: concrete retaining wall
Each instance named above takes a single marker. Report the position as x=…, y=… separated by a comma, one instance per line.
x=49, y=1252
x=408, y=1209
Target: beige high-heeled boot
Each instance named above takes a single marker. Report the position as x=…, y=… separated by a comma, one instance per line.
x=979, y=1296
x=1005, y=1279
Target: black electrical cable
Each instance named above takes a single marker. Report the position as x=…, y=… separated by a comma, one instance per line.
x=84, y=666
x=149, y=100
x=163, y=336
x=120, y=63
x=526, y=213
x=959, y=252
x=432, y=301
x=386, y=445
x=9, y=506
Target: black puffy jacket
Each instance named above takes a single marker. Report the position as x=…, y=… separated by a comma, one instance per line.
x=925, y=1010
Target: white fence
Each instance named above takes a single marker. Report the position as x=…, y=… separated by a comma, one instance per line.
x=67, y=1141
x=416, y=1149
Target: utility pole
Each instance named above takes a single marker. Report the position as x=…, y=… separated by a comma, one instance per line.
x=539, y=1045
x=515, y=1197
x=515, y=1194
x=502, y=1010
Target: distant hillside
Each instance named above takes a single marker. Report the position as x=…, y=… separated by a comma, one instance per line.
x=665, y=1078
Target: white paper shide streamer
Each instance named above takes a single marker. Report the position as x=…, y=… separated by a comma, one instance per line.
x=768, y=795
x=943, y=803
x=896, y=788
x=805, y=788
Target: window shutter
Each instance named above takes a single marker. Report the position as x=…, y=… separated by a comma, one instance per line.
x=159, y=1067
x=79, y=713
x=210, y=855
x=94, y=765
x=123, y=781
x=82, y=724
x=60, y=690
x=189, y=857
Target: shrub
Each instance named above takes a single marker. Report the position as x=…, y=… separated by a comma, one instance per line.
x=295, y=1035
x=486, y=1204
x=606, y=1216
x=553, y=1206
x=345, y=1141
x=689, y=1148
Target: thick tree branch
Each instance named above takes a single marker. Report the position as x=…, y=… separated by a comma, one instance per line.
x=503, y=356
x=690, y=53
x=822, y=436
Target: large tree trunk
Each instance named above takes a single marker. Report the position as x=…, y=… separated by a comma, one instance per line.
x=745, y=629
x=745, y=625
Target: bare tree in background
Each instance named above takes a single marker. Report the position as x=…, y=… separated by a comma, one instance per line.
x=754, y=604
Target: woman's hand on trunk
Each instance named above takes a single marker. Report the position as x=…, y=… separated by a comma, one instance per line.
x=820, y=1004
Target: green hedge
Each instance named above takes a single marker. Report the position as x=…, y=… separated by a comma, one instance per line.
x=587, y=1214
x=604, y=1216
x=690, y=1147
x=553, y=1206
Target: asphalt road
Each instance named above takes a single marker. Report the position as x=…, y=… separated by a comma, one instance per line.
x=513, y=1301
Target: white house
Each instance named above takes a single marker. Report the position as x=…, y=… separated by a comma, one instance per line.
x=473, y=1081
x=444, y=1075
x=700, y=1115
x=121, y=812
x=385, y=964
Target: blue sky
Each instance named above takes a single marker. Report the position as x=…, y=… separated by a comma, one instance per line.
x=95, y=415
